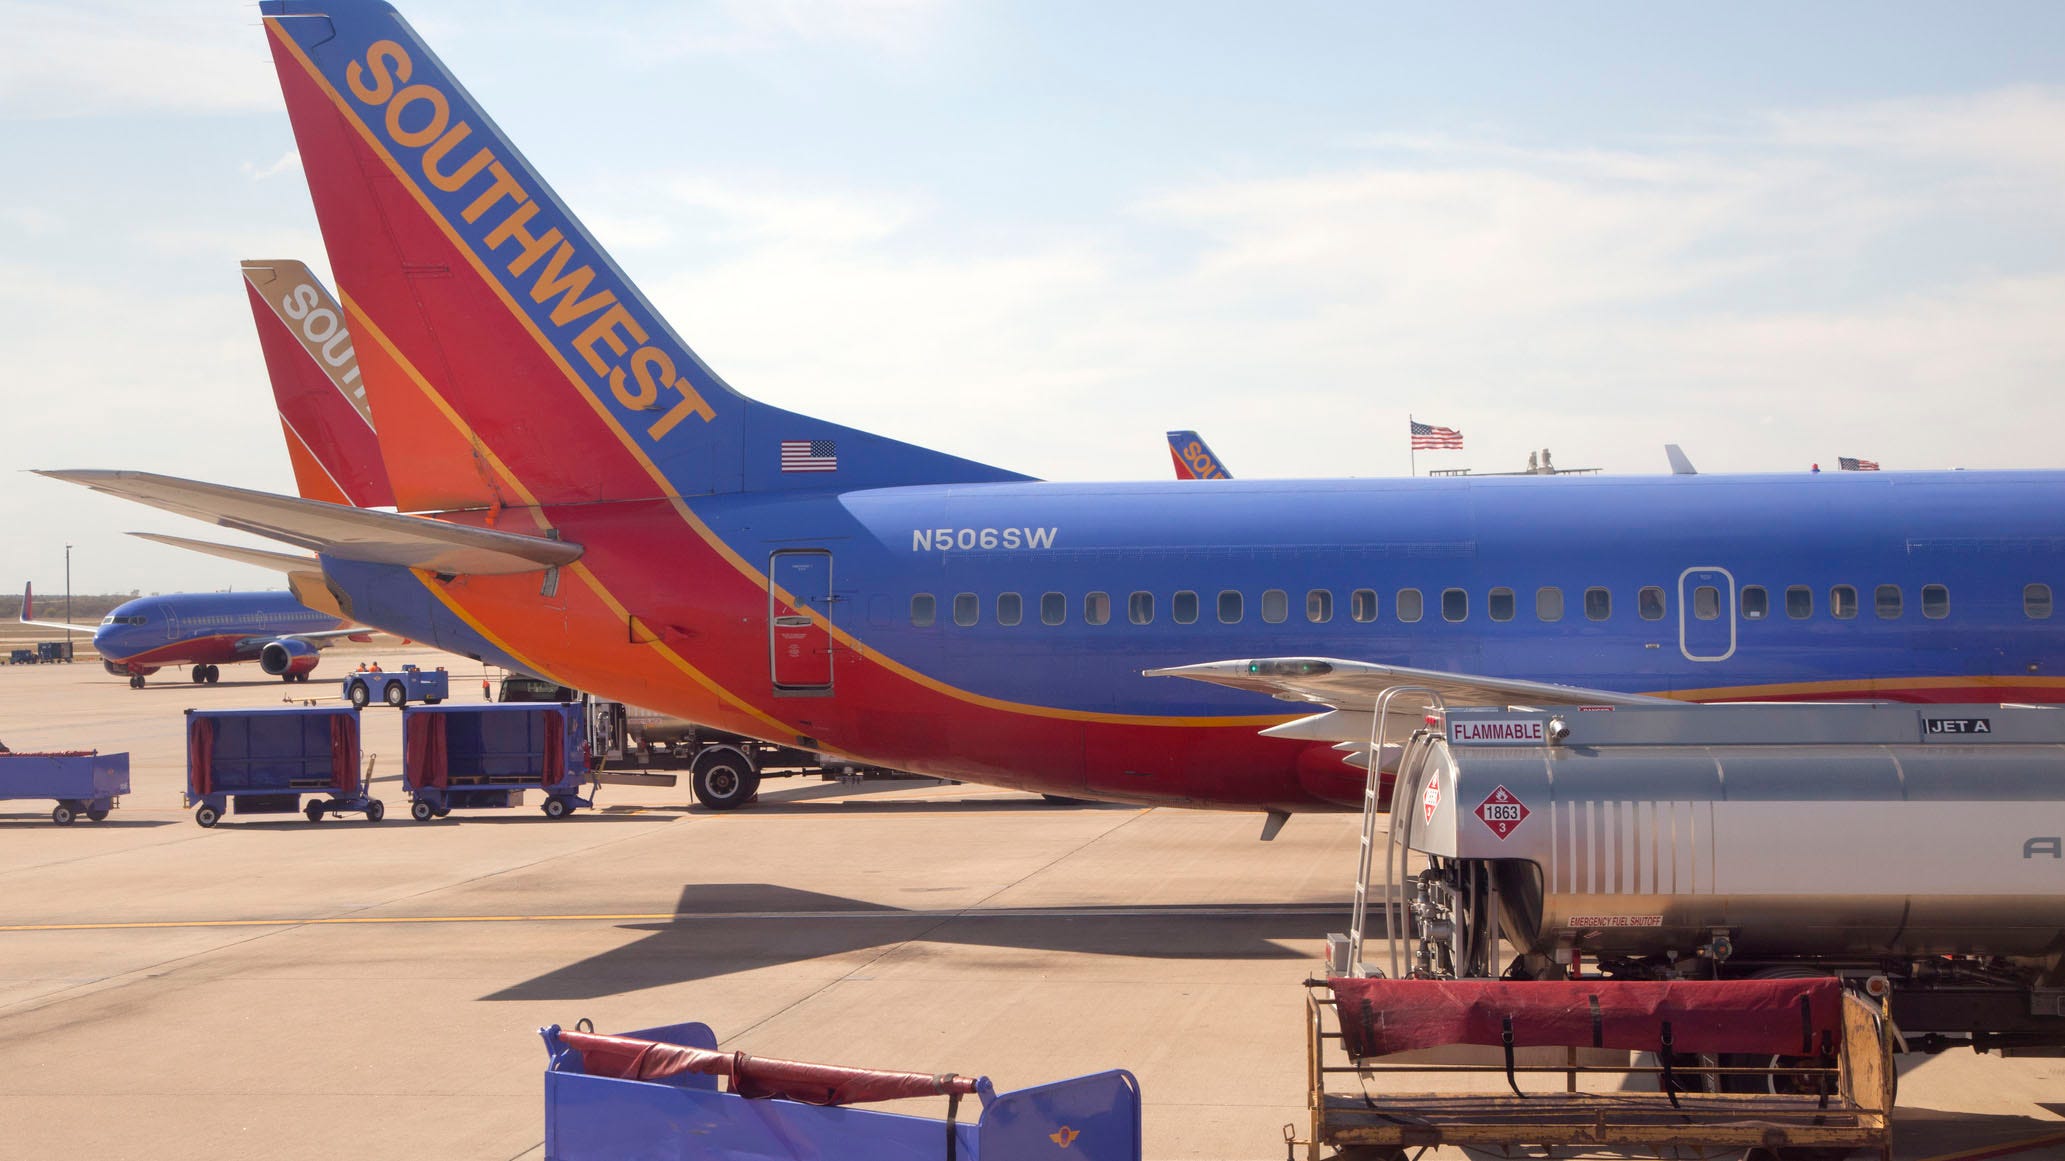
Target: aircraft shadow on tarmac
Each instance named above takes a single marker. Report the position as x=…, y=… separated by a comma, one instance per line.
x=844, y=796
x=722, y=928
x=1932, y=1131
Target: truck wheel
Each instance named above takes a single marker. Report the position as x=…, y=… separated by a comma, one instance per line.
x=63, y=814
x=359, y=696
x=421, y=811
x=395, y=695
x=207, y=815
x=724, y=781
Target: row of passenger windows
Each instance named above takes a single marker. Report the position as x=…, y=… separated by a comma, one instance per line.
x=1501, y=604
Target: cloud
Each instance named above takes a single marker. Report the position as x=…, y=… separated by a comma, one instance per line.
x=124, y=56
x=289, y=162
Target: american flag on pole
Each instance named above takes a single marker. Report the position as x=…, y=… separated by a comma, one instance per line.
x=1427, y=436
x=1852, y=464
x=810, y=455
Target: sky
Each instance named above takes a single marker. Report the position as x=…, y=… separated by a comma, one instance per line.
x=1040, y=234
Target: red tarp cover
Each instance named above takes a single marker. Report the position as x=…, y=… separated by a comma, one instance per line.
x=1379, y=1017
x=344, y=752
x=756, y=1077
x=425, y=763
x=200, y=756
x=555, y=746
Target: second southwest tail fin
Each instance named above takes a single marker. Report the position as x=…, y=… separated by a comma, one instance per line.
x=317, y=386
x=490, y=321
x=1195, y=461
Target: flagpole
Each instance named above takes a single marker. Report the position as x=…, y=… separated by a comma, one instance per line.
x=1412, y=455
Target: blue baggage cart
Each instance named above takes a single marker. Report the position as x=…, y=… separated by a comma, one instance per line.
x=655, y=1093
x=84, y=782
x=267, y=761
x=483, y=757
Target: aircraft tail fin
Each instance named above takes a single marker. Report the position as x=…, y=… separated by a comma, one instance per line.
x=1681, y=464
x=1194, y=460
x=316, y=383
x=492, y=322
x=28, y=609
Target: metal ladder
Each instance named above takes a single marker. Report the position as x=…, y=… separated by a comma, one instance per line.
x=1373, y=805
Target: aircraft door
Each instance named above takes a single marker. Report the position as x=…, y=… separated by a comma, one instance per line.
x=800, y=643
x=1706, y=614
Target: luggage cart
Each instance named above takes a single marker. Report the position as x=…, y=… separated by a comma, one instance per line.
x=267, y=761
x=84, y=782
x=483, y=757
x=655, y=1093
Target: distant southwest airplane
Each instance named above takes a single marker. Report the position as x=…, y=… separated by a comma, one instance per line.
x=611, y=515
x=1195, y=461
x=206, y=631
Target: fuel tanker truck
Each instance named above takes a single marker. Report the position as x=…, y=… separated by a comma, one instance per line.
x=1916, y=851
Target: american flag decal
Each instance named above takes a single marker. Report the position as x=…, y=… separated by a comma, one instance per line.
x=810, y=455
x=1426, y=436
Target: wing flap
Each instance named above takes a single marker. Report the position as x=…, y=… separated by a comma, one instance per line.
x=334, y=529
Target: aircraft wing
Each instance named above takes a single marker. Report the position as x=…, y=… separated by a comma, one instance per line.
x=1350, y=690
x=28, y=614
x=277, y=561
x=335, y=529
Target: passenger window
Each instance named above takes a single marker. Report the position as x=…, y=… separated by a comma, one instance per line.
x=1319, y=606
x=1183, y=607
x=1548, y=603
x=1649, y=603
x=967, y=609
x=1053, y=608
x=1276, y=606
x=1455, y=605
x=1010, y=608
x=1598, y=604
x=1229, y=607
x=1140, y=608
x=1799, y=602
x=1408, y=605
x=2036, y=602
x=1885, y=601
x=1935, y=602
x=1756, y=603
x=1097, y=608
x=1706, y=603
x=924, y=610
x=1362, y=605
x=1842, y=602
x=1500, y=604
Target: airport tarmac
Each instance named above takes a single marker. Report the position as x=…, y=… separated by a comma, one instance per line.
x=273, y=988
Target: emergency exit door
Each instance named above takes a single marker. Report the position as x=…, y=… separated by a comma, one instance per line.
x=1706, y=614
x=800, y=643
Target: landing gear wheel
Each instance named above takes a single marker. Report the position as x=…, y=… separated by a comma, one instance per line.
x=556, y=807
x=207, y=815
x=359, y=697
x=63, y=814
x=199, y=675
x=136, y=681
x=395, y=695
x=314, y=810
x=214, y=674
x=724, y=781
x=421, y=811
x=376, y=810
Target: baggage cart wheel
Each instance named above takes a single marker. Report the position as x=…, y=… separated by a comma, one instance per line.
x=63, y=814
x=96, y=813
x=421, y=811
x=443, y=810
x=395, y=695
x=556, y=807
x=207, y=815
x=314, y=810
x=359, y=696
x=376, y=810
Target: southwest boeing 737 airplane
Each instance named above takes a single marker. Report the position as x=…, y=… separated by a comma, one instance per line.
x=1195, y=461
x=607, y=512
x=207, y=631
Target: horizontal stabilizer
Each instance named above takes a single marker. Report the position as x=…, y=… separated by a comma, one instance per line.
x=333, y=529
x=277, y=561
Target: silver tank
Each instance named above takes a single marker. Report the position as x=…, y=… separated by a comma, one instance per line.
x=1866, y=831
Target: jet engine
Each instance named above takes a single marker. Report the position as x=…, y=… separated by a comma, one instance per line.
x=121, y=669
x=289, y=657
